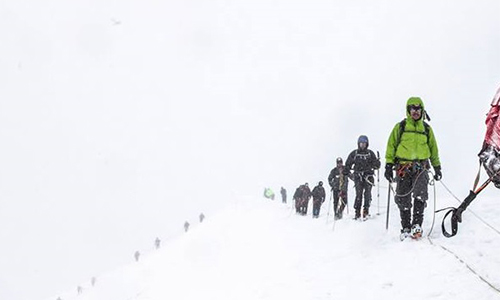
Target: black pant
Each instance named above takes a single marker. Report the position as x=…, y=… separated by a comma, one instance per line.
x=343, y=199
x=305, y=205
x=363, y=185
x=301, y=205
x=316, y=206
x=413, y=182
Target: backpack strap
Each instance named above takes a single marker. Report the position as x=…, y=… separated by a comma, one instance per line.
x=402, y=126
x=427, y=130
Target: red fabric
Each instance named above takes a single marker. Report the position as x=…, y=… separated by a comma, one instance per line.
x=492, y=136
x=496, y=99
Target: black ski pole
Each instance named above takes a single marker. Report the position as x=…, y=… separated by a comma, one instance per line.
x=329, y=204
x=378, y=186
x=388, y=205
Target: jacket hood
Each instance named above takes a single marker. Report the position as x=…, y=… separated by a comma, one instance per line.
x=415, y=101
x=363, y=139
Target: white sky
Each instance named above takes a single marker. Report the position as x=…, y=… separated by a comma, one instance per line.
x=119, y=121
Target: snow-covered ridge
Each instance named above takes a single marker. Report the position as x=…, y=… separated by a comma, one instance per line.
x=260, y=249
x=119, y=118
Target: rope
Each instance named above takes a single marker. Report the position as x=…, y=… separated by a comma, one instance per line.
x=433, y=183
x=491, y=285
x=482, y=278
x=392, y=188
x=412, y=188
x=449, y=191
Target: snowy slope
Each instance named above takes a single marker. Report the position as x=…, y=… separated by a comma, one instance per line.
x=260, y=249
x=119, y=120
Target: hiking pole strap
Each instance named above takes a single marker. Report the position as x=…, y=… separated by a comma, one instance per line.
x=456, y=215
x=454, y=224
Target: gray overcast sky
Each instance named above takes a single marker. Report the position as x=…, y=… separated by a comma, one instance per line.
x=119, y=120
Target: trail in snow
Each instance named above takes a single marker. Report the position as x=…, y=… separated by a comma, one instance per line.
x=260, y=249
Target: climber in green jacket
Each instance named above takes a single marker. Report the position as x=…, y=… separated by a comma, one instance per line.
x=268, y=193
x=411, y=150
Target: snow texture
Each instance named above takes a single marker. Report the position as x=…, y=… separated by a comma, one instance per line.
x=260, y=249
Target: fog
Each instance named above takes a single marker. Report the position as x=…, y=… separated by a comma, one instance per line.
x=121, y=120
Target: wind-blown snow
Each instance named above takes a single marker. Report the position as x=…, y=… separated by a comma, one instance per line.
x=260, y=249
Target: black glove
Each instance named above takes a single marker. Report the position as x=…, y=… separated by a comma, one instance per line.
x=437, y=173
x=346, y=172
x=388, y=172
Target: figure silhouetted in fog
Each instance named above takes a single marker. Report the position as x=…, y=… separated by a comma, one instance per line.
x=363, y=161
x=301, y=197
x=297, y=197
x=186, y=226
x=268, y=193
x=202, y=217
x=338, y=182
x=283, y=194
x=157, y=243
x=137, y=254
x=318, y=194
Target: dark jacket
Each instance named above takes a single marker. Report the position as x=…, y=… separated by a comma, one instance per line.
x=306, y=192
x=318, y=193
x=364, y=161
x=298, y=193
x=335, y=179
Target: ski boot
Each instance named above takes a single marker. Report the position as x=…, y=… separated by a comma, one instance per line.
x=366, y=214
x=357, y=215
x=405, y=232
x=416, y=232
x=340, y=210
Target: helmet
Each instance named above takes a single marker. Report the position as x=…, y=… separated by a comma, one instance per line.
x=320, y=183
x=363, y=139
x=339, y=160
x=307, y=184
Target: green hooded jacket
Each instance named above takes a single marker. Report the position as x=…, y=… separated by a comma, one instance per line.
x=268, y=193
x=414, y=144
